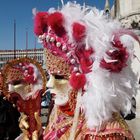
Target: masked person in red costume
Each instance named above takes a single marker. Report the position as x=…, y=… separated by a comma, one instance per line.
x=88, y=60
x=24, y=83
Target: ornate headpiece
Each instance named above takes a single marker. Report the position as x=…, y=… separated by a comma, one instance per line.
x=23, y=72
x=93, y=46
x=24, y=82
x=64, y=43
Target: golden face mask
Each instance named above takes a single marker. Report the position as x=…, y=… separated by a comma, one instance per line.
x=59, y=88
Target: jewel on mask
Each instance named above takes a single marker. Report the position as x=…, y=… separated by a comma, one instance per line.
x=64, y=48
x=52, y=39
x=40, y=37
x=77, y=73
x=23, y=67
x=58, y=71
x=75, y=69
x=72, y=61
x=40, y=41
x=69, y=54
x=58, y=44
x=47, y=38
x=43, y=36
x=26, y=71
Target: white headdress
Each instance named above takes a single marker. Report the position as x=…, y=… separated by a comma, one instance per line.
x=97, y=48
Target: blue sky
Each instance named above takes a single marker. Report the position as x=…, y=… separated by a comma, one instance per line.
x=21, y=11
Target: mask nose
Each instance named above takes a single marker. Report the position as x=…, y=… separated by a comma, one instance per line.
x=11, y=88
x=51, y=82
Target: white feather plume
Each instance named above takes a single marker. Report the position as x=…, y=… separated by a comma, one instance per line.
x=107, y=92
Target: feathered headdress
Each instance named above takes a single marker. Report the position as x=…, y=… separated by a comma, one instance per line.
x=23, y=72
x=98, y=52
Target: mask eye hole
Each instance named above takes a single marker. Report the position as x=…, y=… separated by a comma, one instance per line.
x=59, y=77
x=17, y=82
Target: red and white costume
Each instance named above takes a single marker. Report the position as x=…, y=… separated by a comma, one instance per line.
x=88, y=58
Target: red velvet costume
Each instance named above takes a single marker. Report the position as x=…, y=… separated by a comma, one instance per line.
x=28, y=106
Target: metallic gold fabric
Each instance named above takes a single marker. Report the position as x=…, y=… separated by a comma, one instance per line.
x=14, y=74
x=57, y=65
x=114, y=129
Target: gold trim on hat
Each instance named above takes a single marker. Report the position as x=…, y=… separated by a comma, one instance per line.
x=56, y=64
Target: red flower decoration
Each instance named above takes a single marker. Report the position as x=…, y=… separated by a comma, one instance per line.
x=77, y=80
x=79, y=31
x=29, y=75
x=30, y=79
x=30, y=70
x=120, y=55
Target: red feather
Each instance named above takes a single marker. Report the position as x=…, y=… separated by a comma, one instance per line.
x=40, y=24
x=30, y=79
x=56, y=21
x=121, y=56
x=77, y=81
x=79, y=31
x=30, y=70
x=85, y=59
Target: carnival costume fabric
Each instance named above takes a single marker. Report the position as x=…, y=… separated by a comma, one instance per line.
x=88, y=58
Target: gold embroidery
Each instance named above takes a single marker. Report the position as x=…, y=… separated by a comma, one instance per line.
x=56, y=64
x=121, y=121
x=72, y=99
